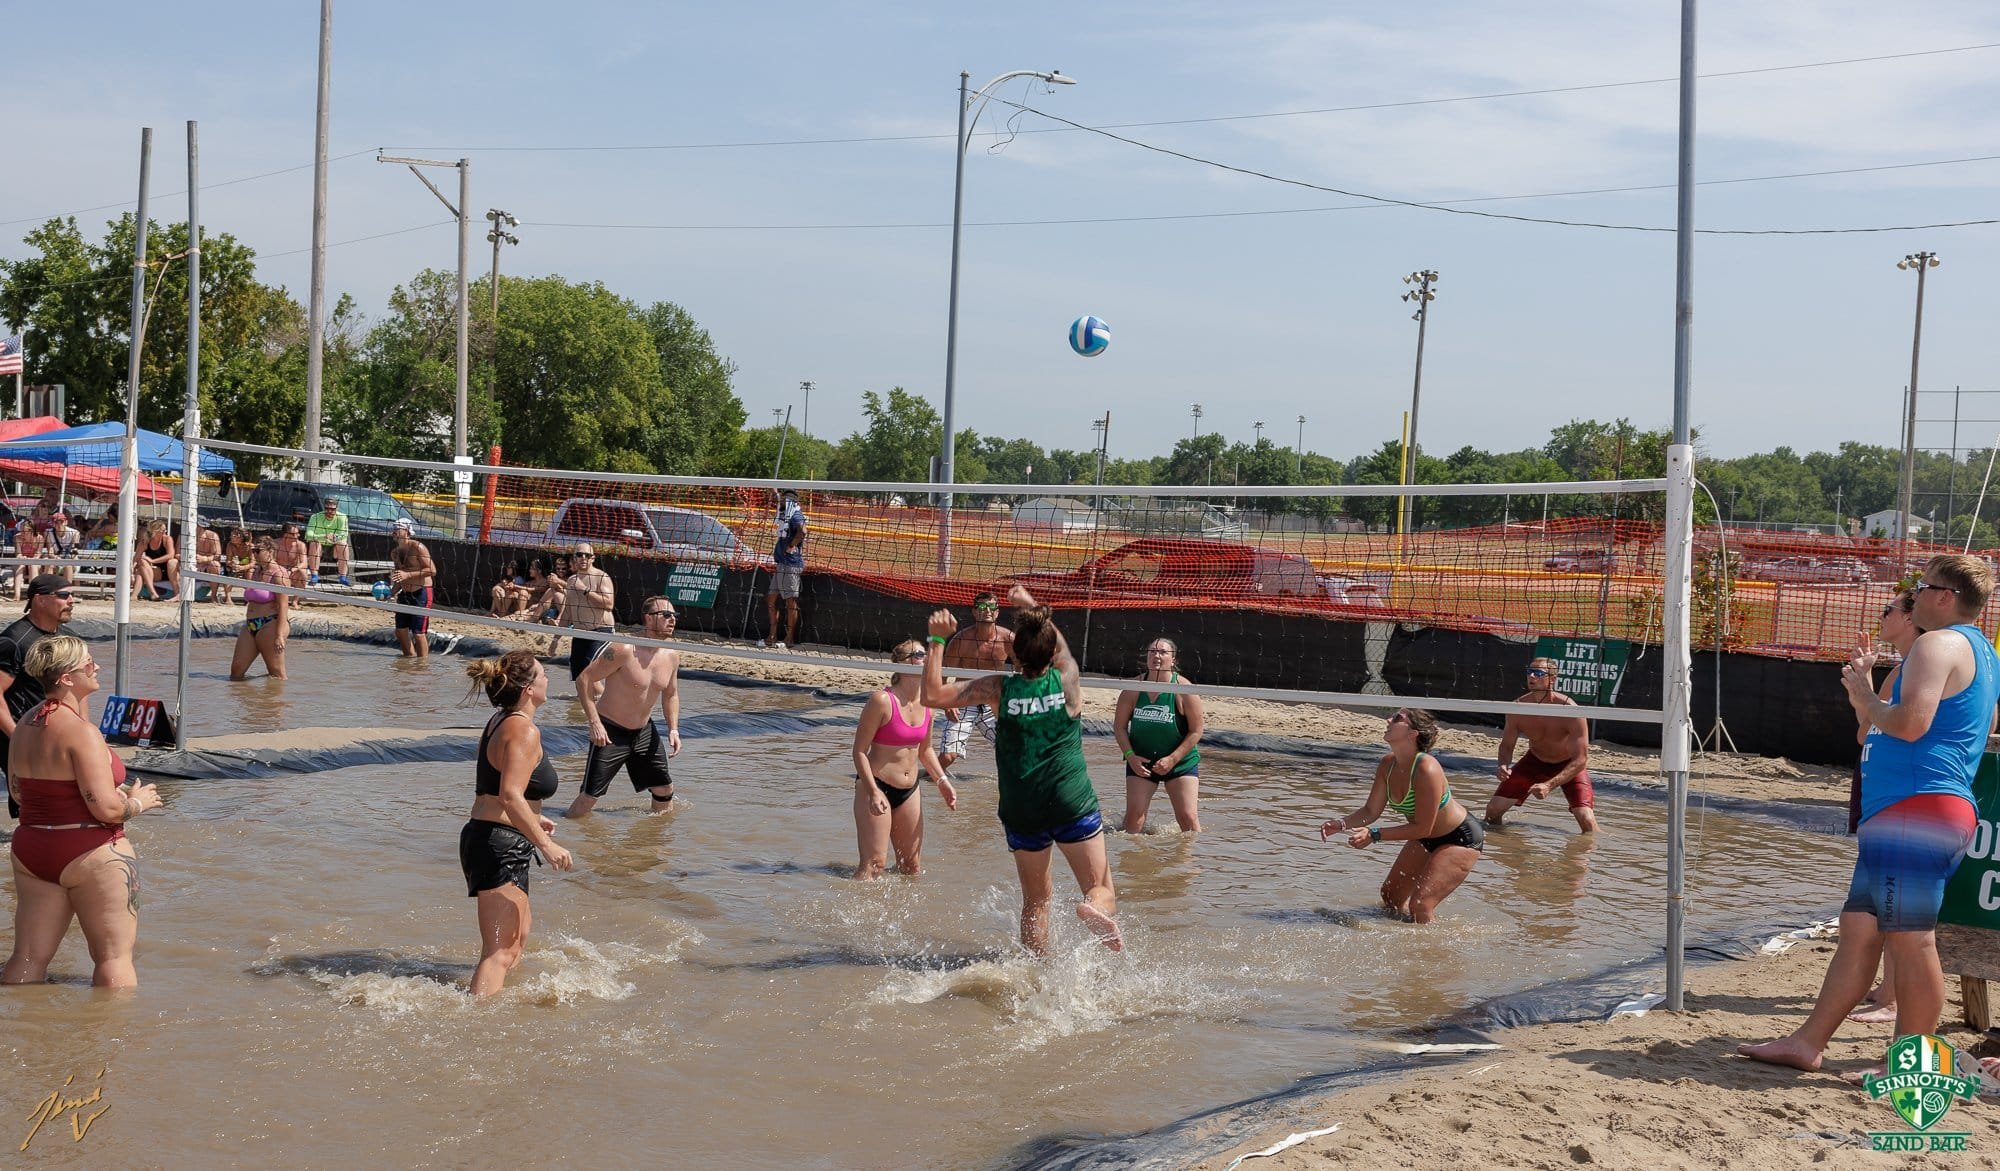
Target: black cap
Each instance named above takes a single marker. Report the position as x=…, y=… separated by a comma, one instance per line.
x=47, y=583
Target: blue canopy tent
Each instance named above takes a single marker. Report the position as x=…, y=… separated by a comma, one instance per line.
x=98, y=445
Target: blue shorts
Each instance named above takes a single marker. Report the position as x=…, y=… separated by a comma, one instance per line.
x=1081, y=830
x=1908, y=852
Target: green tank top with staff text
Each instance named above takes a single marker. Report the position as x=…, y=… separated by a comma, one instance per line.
x=1038, y=746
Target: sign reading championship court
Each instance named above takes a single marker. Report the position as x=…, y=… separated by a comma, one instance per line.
x=1588, y=670
x=1972, y=897
x=694, y=584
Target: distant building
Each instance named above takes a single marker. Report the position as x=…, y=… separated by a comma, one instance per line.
x=1060, y=513
x=1885, y=524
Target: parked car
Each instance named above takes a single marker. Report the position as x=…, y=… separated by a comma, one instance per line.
x=1808, y=570
x=272, y=503
x=1583, y=561
x=680, y=533
x=1163, y=567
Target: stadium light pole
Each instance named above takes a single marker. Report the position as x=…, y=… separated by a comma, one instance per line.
x=499, y=235
x=1423, y=296
x=461, y=213
x=316, y=294
x=1258, y=428
x=966, y=102
x=1196, y=412
x=1299, y=452
x=1906, y=499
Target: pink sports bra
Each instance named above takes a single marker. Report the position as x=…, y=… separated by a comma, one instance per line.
x=255, y=595
x=897, y=732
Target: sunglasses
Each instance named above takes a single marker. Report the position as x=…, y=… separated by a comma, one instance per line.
x=1931, y=585
x=986, y=609
x=1399, y=718
x=918, y=657
x=65, y=595
x=1537, y=672
x=669, y=615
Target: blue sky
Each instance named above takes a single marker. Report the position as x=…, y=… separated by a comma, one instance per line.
x=1799, y=340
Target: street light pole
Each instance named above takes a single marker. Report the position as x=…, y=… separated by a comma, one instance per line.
x=947, y=465
x=1299, y=452
x=806, y=423
x=461, y=213
x=316, y=298
x=1906, y=495
x=1259, y=428
x=1423, y=296
x=1196, y=412
x=500, y=235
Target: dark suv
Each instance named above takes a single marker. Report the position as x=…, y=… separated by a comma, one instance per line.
x=278, y=502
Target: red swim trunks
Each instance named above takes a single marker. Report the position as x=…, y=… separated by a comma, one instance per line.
x=1530, y=771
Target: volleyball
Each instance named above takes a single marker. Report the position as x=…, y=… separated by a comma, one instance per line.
x=381, y=591
x=1089, y=336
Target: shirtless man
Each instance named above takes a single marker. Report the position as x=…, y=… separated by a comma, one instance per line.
x=984, y=645
x=208, y=559
x=291, y=554
x=622, y=734
x=410, y=575
x=587, y=601
x=1558, y=748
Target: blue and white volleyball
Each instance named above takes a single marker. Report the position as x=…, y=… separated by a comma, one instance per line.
x=1089, y=336
x=381, y=591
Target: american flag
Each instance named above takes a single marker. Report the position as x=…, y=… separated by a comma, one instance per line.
x=10, y=354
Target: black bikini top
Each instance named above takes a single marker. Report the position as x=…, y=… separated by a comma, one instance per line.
x=486, y=778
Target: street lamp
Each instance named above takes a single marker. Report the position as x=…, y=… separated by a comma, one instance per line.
x=946, y=464
x=461, y=213
x=1196, y=412
x=1906, y=495
x=1423, y=296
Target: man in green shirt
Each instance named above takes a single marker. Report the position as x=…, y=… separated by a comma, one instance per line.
x=327, y=527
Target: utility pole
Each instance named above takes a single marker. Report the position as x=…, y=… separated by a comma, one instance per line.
x=316, y=307
x=461, y=213
x=1423, y=296
x=499, y=235
x=1923, y=262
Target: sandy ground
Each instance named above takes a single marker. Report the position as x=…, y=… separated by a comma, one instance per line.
x=1659, y=1090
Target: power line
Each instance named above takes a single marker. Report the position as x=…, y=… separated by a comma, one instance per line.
x=126, y=278
x=171, y=194
x=1484, y=97
x=1215, y=215
x=1393, y=201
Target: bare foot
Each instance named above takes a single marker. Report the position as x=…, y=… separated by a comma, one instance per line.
x=1874, y=1014
x=1101, y=925
x=1789, y=1051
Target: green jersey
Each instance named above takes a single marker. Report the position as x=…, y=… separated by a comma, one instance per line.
x=322, y=529
x=1157, y=729
x=1044, y=783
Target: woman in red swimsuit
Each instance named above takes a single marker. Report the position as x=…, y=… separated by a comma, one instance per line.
x=71, y=857
x=891, y=740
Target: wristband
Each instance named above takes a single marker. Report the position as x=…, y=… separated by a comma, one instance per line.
x=1130, y=753
x=1374, y=834
x=936, y=639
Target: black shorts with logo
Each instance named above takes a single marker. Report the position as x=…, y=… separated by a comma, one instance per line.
x=640, y=751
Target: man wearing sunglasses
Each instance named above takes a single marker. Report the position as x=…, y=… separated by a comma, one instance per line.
x=984, y=645
x=51, y=599
x=622, y=733
x=1558, y=749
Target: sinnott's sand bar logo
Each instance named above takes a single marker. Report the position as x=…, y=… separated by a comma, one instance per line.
x=1920, y=1080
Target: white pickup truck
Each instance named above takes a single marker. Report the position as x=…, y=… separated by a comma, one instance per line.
x=678, y=533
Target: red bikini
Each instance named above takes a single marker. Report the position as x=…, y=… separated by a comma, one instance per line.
x=57, y=826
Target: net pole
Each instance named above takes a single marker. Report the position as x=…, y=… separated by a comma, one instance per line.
x=190, y=428
x=1678, y=678
x=128, y=458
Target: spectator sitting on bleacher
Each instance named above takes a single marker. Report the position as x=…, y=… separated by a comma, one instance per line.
x=291, y=554
x=64, y=541
x=512, y=592
x=208, y=559
x=239, y=556
x=27, y=544
x=158, y=562
x=103, y=533
x=327, y=527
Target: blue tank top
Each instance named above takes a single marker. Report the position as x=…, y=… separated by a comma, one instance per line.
x=1944, y=759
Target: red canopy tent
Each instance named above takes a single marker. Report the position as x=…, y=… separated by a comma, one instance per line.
x=97, y=483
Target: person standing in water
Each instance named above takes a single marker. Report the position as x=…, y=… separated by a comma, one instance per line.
x=889, y=742
x=618, y=690
x=1046, y=798
x=1441, y=841
x=984, y=645
x=1160, y=734
x=1558, y=749
x=506, y=829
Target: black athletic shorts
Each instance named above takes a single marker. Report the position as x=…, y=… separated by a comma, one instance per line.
x=640, y=751
x=493, y=855
x=414, y=623
x=584, y=650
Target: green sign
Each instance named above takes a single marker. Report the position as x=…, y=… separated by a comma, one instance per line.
x=1972, y=897
x=1588, y=670
x=1920, y=1079
x=694, y=584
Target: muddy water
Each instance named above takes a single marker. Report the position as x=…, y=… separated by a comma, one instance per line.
x=707, y=986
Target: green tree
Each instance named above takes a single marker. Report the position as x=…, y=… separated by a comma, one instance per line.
x=703, y=416
x=74, y=295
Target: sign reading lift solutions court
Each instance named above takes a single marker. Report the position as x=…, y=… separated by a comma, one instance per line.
x=694, y=584
x=1588, y=670
x=1972, y=897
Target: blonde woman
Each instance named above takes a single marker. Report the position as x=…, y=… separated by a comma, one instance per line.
x=71, y=858
x=891, y=740
x=158, y=562
x=267, y=620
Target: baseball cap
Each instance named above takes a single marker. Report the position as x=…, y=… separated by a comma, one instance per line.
x=401, y=523
x=47, y=583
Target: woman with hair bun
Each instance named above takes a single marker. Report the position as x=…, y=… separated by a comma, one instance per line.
x=506, y=830
x=1440, y=840
x=889, y=744
x=1046, y=798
